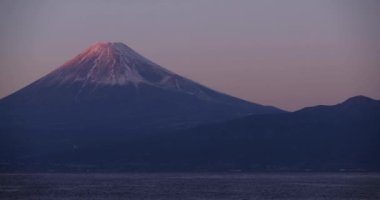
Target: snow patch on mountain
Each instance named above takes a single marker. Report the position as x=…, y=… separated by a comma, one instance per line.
x=109, y=63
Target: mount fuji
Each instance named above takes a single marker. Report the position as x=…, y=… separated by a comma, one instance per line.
x=111, y=109
x=111, y=88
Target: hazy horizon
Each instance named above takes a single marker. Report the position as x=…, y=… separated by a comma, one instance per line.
x=288, y=54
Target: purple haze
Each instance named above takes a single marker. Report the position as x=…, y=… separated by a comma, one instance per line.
x=289, y=54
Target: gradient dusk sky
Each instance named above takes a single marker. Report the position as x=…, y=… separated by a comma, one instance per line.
x=286, y=53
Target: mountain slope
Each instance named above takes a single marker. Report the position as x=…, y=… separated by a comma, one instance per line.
x=110, y=85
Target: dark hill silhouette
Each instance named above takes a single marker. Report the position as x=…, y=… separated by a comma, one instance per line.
x=322, y=138
x=340, y=137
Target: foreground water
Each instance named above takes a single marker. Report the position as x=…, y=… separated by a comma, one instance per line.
x=190, y=186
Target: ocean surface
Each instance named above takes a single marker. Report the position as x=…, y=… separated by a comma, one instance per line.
x=170, y=186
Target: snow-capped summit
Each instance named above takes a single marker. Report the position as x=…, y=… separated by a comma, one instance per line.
x=115, y=64
x=111, y=63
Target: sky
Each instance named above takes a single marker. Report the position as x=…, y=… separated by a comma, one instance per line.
x=289, y=53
